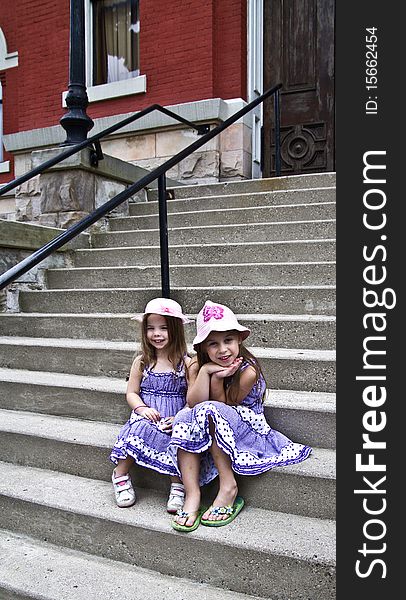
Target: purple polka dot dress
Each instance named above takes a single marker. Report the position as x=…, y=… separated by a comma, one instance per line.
x=241, y=431
x=141, y=438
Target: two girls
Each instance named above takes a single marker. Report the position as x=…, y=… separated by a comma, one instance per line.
x=221, y=431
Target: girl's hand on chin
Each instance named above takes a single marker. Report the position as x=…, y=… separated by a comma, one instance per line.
x=212, y=367
x=229, y=371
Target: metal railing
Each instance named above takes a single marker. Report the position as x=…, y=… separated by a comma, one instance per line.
x=159, y=173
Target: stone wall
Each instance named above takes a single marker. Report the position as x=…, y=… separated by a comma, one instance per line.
x=226, y=157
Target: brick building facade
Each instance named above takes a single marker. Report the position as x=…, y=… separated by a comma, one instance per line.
x=192, y=55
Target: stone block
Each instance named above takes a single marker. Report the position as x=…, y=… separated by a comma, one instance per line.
x=29, y=188
x=134, y=147
x=22, y=163
x=199, y=166
x=105, y=190
x=67, y=192
x=235, y=164
x=28, y=208
x=169, y=143
x=49, y=219
x=152, y=163
x=68, y=218
x=236, y=137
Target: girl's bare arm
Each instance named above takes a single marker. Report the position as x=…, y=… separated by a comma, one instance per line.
x=248, y=379
x=133, y=390
x=199, y=382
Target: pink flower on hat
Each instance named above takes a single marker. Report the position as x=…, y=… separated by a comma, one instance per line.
x=212, y=312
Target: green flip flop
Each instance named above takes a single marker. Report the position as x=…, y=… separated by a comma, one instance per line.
x=232, y=511
x=183, y=514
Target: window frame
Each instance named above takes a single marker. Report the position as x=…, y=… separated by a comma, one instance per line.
x=105, y=91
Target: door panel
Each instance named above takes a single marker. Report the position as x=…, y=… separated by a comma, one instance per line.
x=299, y=52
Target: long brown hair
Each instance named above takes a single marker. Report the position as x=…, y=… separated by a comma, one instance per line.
x=176, y=343
x=232, y=384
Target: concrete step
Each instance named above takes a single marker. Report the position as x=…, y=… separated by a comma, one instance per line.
x=279, y=331
x=60, y=443
x=32, y=568
x=306, y=417
x=306, y=300
x=206, y=234
x=271, y=554
x=234, y=252
x=235, y=216
x=291, y=182
x=298, y=369
x=240, y=200
x=257, y=273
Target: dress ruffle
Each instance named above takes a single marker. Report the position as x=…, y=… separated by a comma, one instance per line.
x=140, y=437
x=241, y=431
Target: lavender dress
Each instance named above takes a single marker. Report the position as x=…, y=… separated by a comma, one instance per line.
x=141, y=438
x=241, y=431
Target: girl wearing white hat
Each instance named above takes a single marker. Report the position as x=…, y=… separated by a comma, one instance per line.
x=156, y=391
x=223, y=431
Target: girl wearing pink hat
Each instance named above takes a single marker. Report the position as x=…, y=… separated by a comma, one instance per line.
x=223, y=431
x=156, y=391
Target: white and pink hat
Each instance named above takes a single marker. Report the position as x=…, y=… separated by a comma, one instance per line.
x=217, y=317
x=165, y=307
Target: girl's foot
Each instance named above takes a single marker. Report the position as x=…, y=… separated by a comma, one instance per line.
x=188, y=515
x=123, y=490
x=176, y=498
x=224, y=498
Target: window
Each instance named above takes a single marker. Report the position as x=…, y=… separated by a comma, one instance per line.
x=115, y=40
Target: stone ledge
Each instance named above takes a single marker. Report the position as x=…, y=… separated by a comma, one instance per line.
x=29, y=236
x=212, y=110
x=110, y=166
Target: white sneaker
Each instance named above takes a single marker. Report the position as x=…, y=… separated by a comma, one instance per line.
x=123, y=490
x=176, y=498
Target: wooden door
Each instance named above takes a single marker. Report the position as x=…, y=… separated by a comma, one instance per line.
x=299, y=52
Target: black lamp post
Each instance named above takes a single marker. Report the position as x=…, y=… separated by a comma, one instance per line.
x=76, y=122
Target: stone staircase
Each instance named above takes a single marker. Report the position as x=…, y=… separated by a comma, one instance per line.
x=266, y=248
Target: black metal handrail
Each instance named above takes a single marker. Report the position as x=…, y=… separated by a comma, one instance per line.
x=95, y=140
x=158, y=173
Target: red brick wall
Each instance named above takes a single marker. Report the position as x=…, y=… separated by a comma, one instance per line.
x=230, y=49
x=190, y=50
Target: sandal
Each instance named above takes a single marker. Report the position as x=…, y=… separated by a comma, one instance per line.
x=176, y=498
x=232, y=511
x=123, y=490
x=186, y=515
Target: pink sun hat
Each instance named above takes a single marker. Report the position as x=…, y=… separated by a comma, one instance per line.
x=217, y=317
x=165, y=307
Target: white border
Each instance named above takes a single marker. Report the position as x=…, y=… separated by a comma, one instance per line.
x=7, y=59
x=116, y=89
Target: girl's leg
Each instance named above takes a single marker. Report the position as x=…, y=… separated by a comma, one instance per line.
x=189, y=465
x=123, y=466
x=175, y=479
x=228, y=489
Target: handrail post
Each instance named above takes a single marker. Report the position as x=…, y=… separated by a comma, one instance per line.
x=163, y=236
x=277, y=108
x=76, y=121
